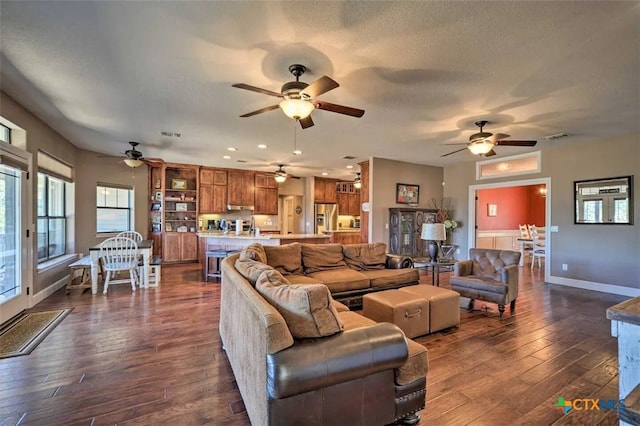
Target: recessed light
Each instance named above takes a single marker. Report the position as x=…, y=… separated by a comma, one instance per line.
x=262, y=146
x=350, y=166
x=226, y=157
x=231, y=148
x=325, y=174
x=297, y=152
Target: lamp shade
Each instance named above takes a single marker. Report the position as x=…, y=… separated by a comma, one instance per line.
x=433, y=232
x=133, y=162
x=481, y=147
x=297, y=108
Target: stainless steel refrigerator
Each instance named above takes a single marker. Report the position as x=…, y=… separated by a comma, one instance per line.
x=326, y=217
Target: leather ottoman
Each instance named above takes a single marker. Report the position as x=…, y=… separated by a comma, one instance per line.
x=444, y=305
x=407, y=311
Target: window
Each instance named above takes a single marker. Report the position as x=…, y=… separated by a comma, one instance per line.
x=5, y=134
x=51, y=217
x=114, y=209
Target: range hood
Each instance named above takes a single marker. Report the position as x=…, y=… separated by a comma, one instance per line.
x=234, y=207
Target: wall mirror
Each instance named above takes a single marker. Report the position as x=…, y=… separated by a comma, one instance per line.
x=604, y=201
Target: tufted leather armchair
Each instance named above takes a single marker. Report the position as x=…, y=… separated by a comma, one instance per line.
x=489, y=275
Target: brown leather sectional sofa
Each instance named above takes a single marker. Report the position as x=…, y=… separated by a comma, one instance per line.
x=358, y=372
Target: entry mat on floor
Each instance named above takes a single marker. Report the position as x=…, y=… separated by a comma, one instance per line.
x=21, y=335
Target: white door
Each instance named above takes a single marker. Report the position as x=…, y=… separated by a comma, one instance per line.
x=14, y=254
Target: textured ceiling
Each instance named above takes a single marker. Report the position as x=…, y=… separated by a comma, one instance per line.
x=104, y=73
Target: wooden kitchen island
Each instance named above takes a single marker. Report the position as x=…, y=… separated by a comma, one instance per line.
x=208, y=241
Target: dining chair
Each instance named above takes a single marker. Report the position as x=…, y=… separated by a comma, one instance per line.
x=539, y=245
x=119, y=254
x=135, y=236
x=527, y=247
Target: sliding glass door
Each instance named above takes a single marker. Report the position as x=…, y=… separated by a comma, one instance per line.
x=14, y=258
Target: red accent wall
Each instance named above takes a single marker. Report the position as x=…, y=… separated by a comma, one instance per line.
x=515, y=205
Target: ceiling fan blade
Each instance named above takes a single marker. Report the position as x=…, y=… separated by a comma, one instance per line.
x=453, y=152
x=256, y=89
x=489, y=154
x=306, y=122
x=318, y=87
x=340, y=109
x=516, y=143
x=497, y=137
x=260, y=111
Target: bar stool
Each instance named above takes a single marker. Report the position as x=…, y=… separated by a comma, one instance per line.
x=218, y=255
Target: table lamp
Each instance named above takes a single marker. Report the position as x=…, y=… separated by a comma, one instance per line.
x=433, y=232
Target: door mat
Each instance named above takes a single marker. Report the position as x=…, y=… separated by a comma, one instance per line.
x=21, y=335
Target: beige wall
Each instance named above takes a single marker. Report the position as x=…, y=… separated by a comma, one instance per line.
x=88, y=170
x=384, y=175
x=595, y=254
x=92, y=169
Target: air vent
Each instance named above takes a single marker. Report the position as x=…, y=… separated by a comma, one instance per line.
x=555, y=136
x=348, y=157
x=171, y=134
x=241, y=161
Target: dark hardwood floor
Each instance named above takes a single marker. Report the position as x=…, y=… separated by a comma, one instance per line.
x=153, y=357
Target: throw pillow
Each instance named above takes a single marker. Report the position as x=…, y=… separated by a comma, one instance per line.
x=286, y=259
x=363, y=257
x=254, y=251
x=306, y=308
x=322, y=257
x=251, y=269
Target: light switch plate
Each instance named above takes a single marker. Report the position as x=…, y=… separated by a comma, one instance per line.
x=554, y=228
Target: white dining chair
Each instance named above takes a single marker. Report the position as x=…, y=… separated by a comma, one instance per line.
x=119, y=254
x=135, y=236
x=539, y=245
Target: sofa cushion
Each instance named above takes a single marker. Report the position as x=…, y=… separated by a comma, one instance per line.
x=286, y=259
x=306, y=308
x=322, y=257
x=254, y=251
x=303, y=279
x=339, y=280
x=251, y=269
x=363, y=257
x=385, y=277
x=414, y=368
x=480, y=284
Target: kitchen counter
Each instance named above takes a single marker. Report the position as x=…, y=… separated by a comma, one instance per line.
x=342, y=230
x=214, y=234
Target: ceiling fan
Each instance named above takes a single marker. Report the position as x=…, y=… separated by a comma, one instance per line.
x=299, y=98
x=132, y=157
x=482, y=143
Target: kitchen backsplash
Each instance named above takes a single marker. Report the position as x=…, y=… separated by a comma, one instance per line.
x=262, y=221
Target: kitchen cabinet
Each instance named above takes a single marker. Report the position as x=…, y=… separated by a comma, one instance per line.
x=348, y=199
x=405, y=228
x=179, y=247
x=345, y=237
x=240, y=187
x=324, y=190
x=213, y=190
x=265, y=180
x=266, y=201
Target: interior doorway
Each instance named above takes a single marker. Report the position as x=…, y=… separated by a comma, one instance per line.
x=499, y=205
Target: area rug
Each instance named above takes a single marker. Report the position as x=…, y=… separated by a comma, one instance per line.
x=22, y=334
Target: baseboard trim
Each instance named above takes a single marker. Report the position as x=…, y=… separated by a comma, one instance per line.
x=41, y=295
x=590, y=285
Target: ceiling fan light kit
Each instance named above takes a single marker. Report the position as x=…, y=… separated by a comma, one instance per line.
x=481, y=147
x=357, y=182
x=482, y=143
x=133, y=163
x=280, y=174
x=297, y=108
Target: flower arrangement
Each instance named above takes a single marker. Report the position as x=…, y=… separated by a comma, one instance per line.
x=450, y=224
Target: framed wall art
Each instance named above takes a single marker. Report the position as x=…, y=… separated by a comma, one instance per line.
x=178, y=184
x=492, y=210
x=407, y=193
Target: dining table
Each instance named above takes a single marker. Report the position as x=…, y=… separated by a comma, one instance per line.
x=145, y=248
x=524, y=243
